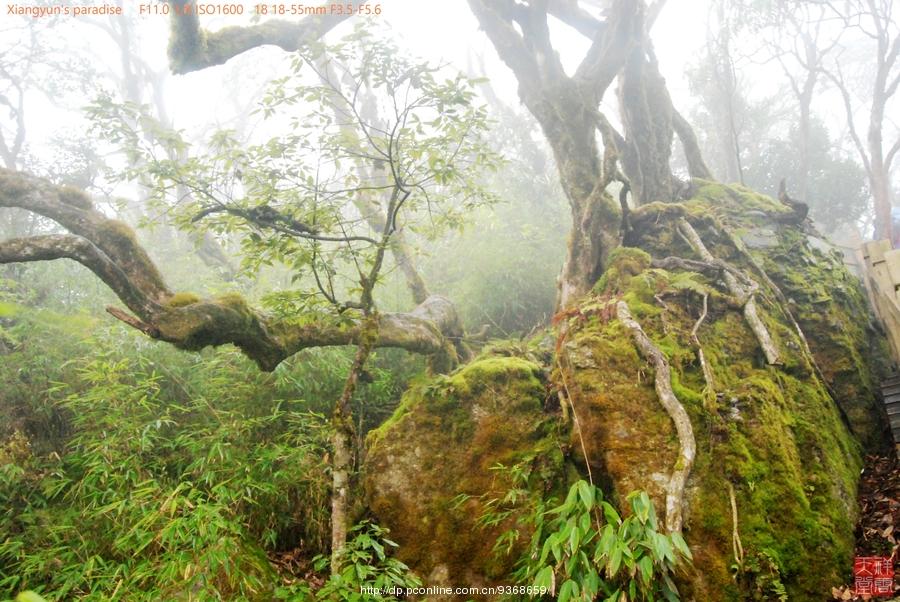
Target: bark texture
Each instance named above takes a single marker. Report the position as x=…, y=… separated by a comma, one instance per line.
x=646, y=110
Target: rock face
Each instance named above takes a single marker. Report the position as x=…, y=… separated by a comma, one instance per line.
x=786, y=439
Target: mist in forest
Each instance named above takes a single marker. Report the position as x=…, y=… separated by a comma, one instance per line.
x=305, y=302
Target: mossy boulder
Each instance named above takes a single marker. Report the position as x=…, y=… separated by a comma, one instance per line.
x=785, y=440
x=431, y=469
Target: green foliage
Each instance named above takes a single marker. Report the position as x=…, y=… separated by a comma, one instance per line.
x=158, y=494
x=364, y=567
x=761, y=575
x=370, y=141
x=28, y=596
x=584, y=550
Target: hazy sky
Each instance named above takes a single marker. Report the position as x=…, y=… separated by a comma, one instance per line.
x=435, y=29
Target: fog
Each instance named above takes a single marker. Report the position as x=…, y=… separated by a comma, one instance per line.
x=468, y=299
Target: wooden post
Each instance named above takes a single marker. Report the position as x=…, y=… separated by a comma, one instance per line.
x=882, y=279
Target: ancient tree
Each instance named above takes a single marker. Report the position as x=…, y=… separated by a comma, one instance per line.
x=567, y=109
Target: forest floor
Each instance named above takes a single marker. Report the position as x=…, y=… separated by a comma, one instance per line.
x=879, y=520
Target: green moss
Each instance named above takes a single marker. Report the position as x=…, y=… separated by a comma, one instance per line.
x=772, y=432
x=75, y=197
x=182, y=299
x=517, y=373
x=118, y=232
x=446, y=439
x=623, y=264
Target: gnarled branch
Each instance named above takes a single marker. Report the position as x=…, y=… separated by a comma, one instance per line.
x=192, y=48
x=110, y=249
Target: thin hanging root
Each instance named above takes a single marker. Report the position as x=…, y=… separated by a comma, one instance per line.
x=741, y=291
x=704, y=365
x=571, y=403
x=663, y=383
x=736, y=546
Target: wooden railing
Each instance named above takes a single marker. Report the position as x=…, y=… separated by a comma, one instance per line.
x=881, y=275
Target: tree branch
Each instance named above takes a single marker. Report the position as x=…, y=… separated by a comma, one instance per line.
x=696, y=165
x=496, y=21
x=570, y=13
x=110, y=249
x=838, y=80
x=611, y=46
x=192, y=48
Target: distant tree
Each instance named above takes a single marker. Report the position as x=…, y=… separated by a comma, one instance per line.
x=837, y=192
x=722, y=115
x=878, y=37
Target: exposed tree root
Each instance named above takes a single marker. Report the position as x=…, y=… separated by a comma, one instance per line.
x=709, y=390
x=736, y=546
x=786, y=309
x=776, y=290
x=739, y=290
x=663, y=385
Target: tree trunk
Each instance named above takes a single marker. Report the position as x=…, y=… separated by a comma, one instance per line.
x=805, y=99
x=340, y=484
x=647, y=114
x=881, y=194
x=595, y=232
x=566, y=107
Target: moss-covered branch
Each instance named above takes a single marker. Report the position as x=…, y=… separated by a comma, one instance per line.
x=192, y=48
x=111, y=250
x=73, y=210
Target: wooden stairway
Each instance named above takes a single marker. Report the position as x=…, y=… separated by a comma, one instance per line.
x=890, y=389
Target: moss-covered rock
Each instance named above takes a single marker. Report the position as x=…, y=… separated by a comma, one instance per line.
x=430, y=468
x=787, y=444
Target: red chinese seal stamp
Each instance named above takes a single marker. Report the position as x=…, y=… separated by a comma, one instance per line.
x=873, y=575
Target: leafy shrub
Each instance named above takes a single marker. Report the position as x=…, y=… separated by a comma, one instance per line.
x=584, y=550
x=366, y=573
